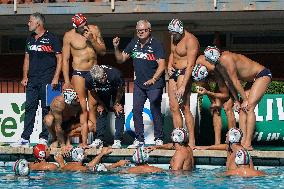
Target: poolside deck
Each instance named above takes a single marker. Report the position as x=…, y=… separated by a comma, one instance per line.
x=202, y=157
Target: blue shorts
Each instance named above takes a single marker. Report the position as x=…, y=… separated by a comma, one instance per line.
x=89, y=82
x=264, y=72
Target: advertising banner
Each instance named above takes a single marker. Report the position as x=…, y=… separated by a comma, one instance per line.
x=269, y=118
x=12, y=109
x=12, y=112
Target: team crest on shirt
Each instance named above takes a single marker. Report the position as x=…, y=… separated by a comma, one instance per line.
x=43, y=48
x=145, y=56
x=44, y=40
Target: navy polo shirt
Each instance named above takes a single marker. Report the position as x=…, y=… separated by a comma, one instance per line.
x=113, y=81
x=42, y=56
x=145, y=61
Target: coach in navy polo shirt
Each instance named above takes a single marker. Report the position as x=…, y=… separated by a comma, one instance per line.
x=149, y=80
x=109, y=86
x=42, y=66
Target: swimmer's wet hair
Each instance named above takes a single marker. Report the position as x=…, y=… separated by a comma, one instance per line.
x=39, y=17
x=97, y=72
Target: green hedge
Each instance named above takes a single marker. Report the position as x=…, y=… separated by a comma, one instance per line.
x=276, y=87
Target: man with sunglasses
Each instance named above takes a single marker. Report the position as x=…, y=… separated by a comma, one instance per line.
x=84, y=43
x=149, y=65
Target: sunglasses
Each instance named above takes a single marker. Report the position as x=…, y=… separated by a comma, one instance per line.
x=142, y=30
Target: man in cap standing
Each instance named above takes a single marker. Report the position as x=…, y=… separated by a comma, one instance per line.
x=184, y=50
x=84, y=42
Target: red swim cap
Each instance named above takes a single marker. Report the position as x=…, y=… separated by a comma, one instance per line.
x=40, y=151
x=78, y=19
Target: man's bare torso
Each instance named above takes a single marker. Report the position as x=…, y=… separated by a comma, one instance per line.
x=179, y=51
x=84, y=56
x=246, y=68
x=186, y=154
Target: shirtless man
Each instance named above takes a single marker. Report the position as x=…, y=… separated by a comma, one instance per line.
x=183, y=156
x=184, y=50
x=240, y=68
x=78, y=155
x=233, y=144
x=63, y=119
x=221, y=97
x=41, y=153
x=84, y=42
x=243, y=169
x=140, y=158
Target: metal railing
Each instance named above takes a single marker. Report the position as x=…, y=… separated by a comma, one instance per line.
x=11, y=86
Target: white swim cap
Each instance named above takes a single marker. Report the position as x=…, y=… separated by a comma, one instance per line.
x=69, y=96
x=176, y=26
x=101, y=167
x=140, y=155
x=199, y=72
x=242, y=157
x=212, y=54
x=235, y=135
x=77, y=154
x=21, y=167
x=179, y=135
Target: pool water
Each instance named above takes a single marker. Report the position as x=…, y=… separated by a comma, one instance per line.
x=199, y=178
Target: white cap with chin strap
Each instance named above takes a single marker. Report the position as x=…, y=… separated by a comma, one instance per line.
x=176, y=25
x=69, y=95
x=77, y=154
x=242, y=157
x=212, y=54
x=199, y=72
x=235, y=135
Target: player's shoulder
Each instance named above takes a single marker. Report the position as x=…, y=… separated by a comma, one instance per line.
x=69, y=33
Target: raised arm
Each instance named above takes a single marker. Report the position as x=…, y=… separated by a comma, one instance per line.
x=119, y=56
x=97, y=159
x=97, y=40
